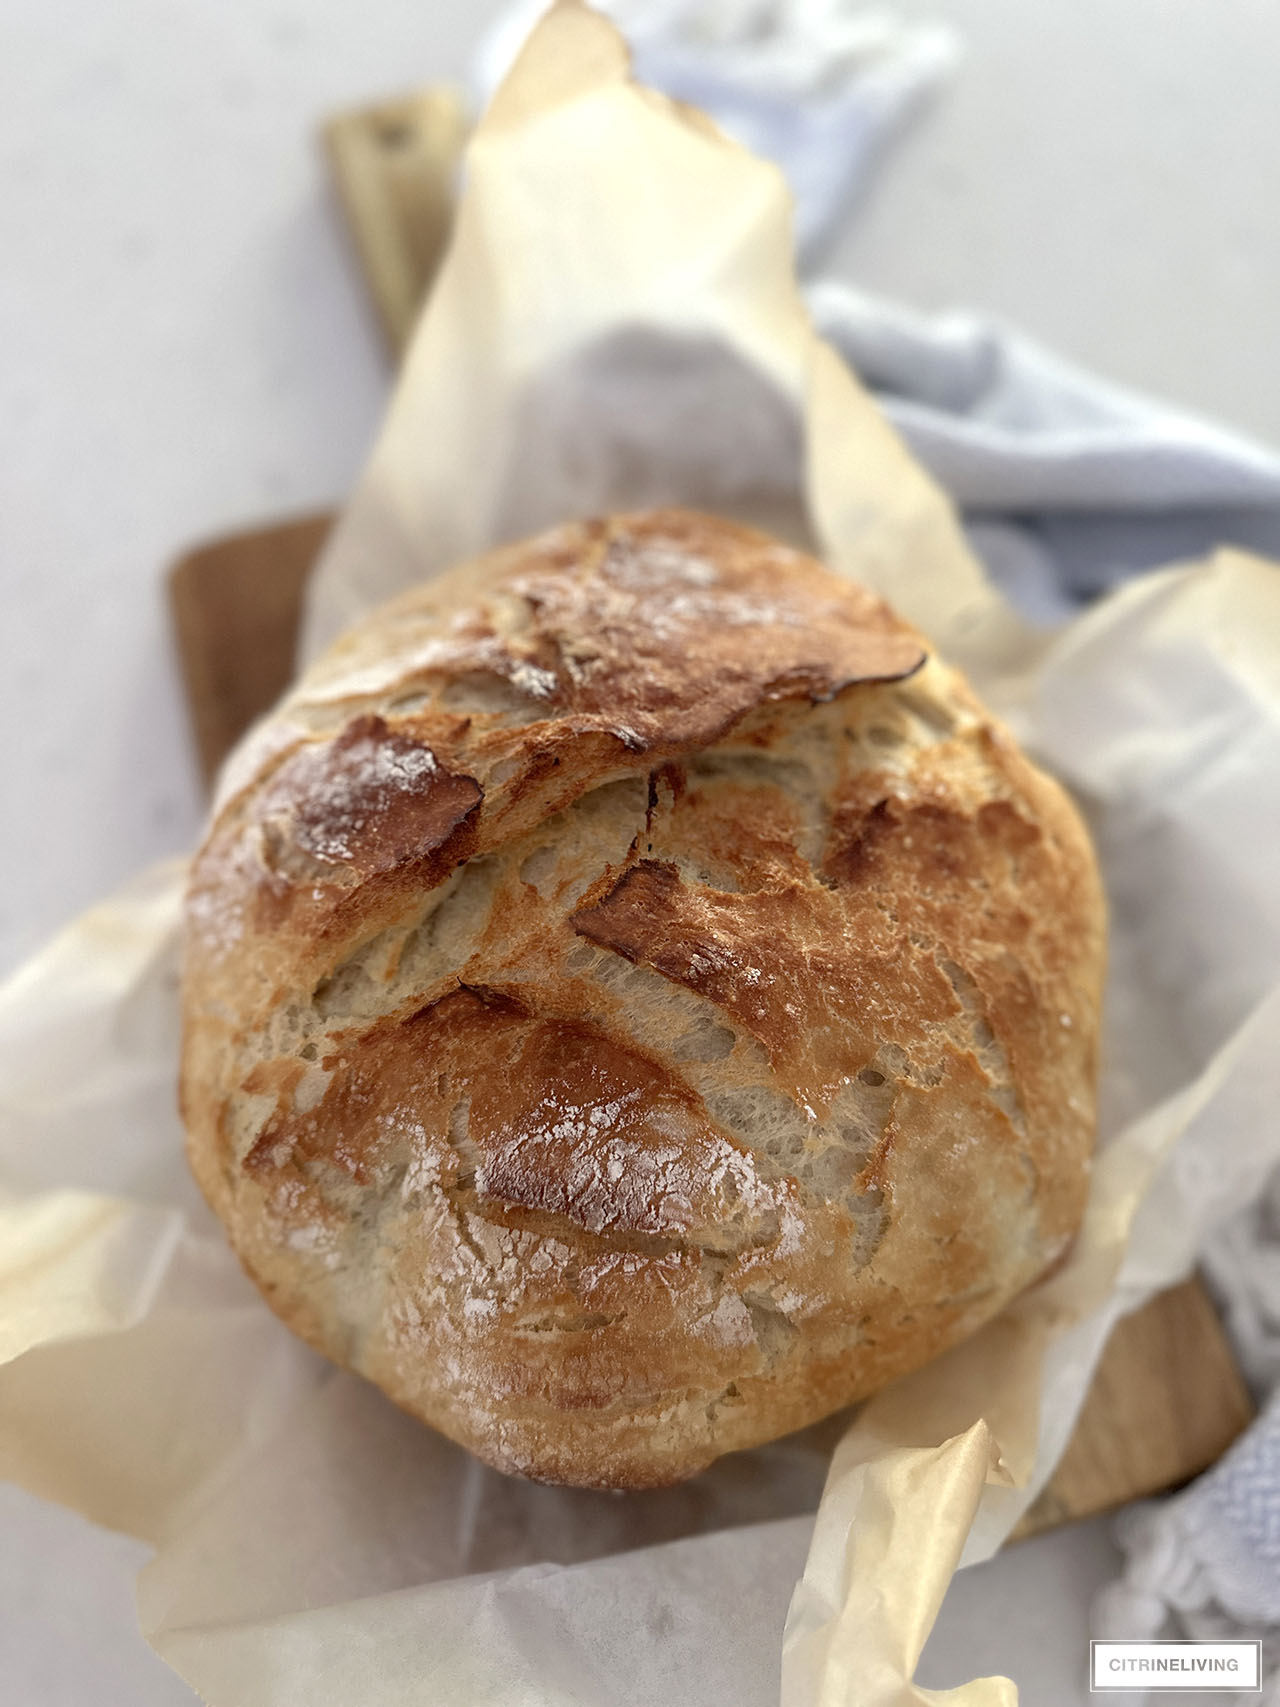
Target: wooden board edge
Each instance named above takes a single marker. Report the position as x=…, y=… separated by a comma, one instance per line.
x=236, y=606
x=394, y=167
x=1174, y=1346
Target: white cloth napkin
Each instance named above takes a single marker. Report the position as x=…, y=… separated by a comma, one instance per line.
x=1068, y=484
x=1209, y=1556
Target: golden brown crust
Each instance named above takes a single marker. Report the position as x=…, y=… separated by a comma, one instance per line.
x=636, y=1004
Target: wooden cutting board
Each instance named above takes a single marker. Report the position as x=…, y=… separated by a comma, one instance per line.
x=1167, y=1398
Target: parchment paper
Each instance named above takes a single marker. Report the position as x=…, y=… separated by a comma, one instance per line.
x=617, y=324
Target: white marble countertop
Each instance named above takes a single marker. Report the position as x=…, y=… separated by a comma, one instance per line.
x=187, y=350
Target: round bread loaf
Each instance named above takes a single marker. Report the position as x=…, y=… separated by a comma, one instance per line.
x=637, y=1001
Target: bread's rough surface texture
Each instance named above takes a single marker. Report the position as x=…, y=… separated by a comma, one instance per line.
x=636, y=1002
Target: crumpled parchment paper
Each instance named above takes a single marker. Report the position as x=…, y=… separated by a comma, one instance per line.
x=617, y=324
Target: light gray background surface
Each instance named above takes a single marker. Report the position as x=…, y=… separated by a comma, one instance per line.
x=185, y=348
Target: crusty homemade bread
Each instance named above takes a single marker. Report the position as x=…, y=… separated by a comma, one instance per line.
x=638, y=1001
